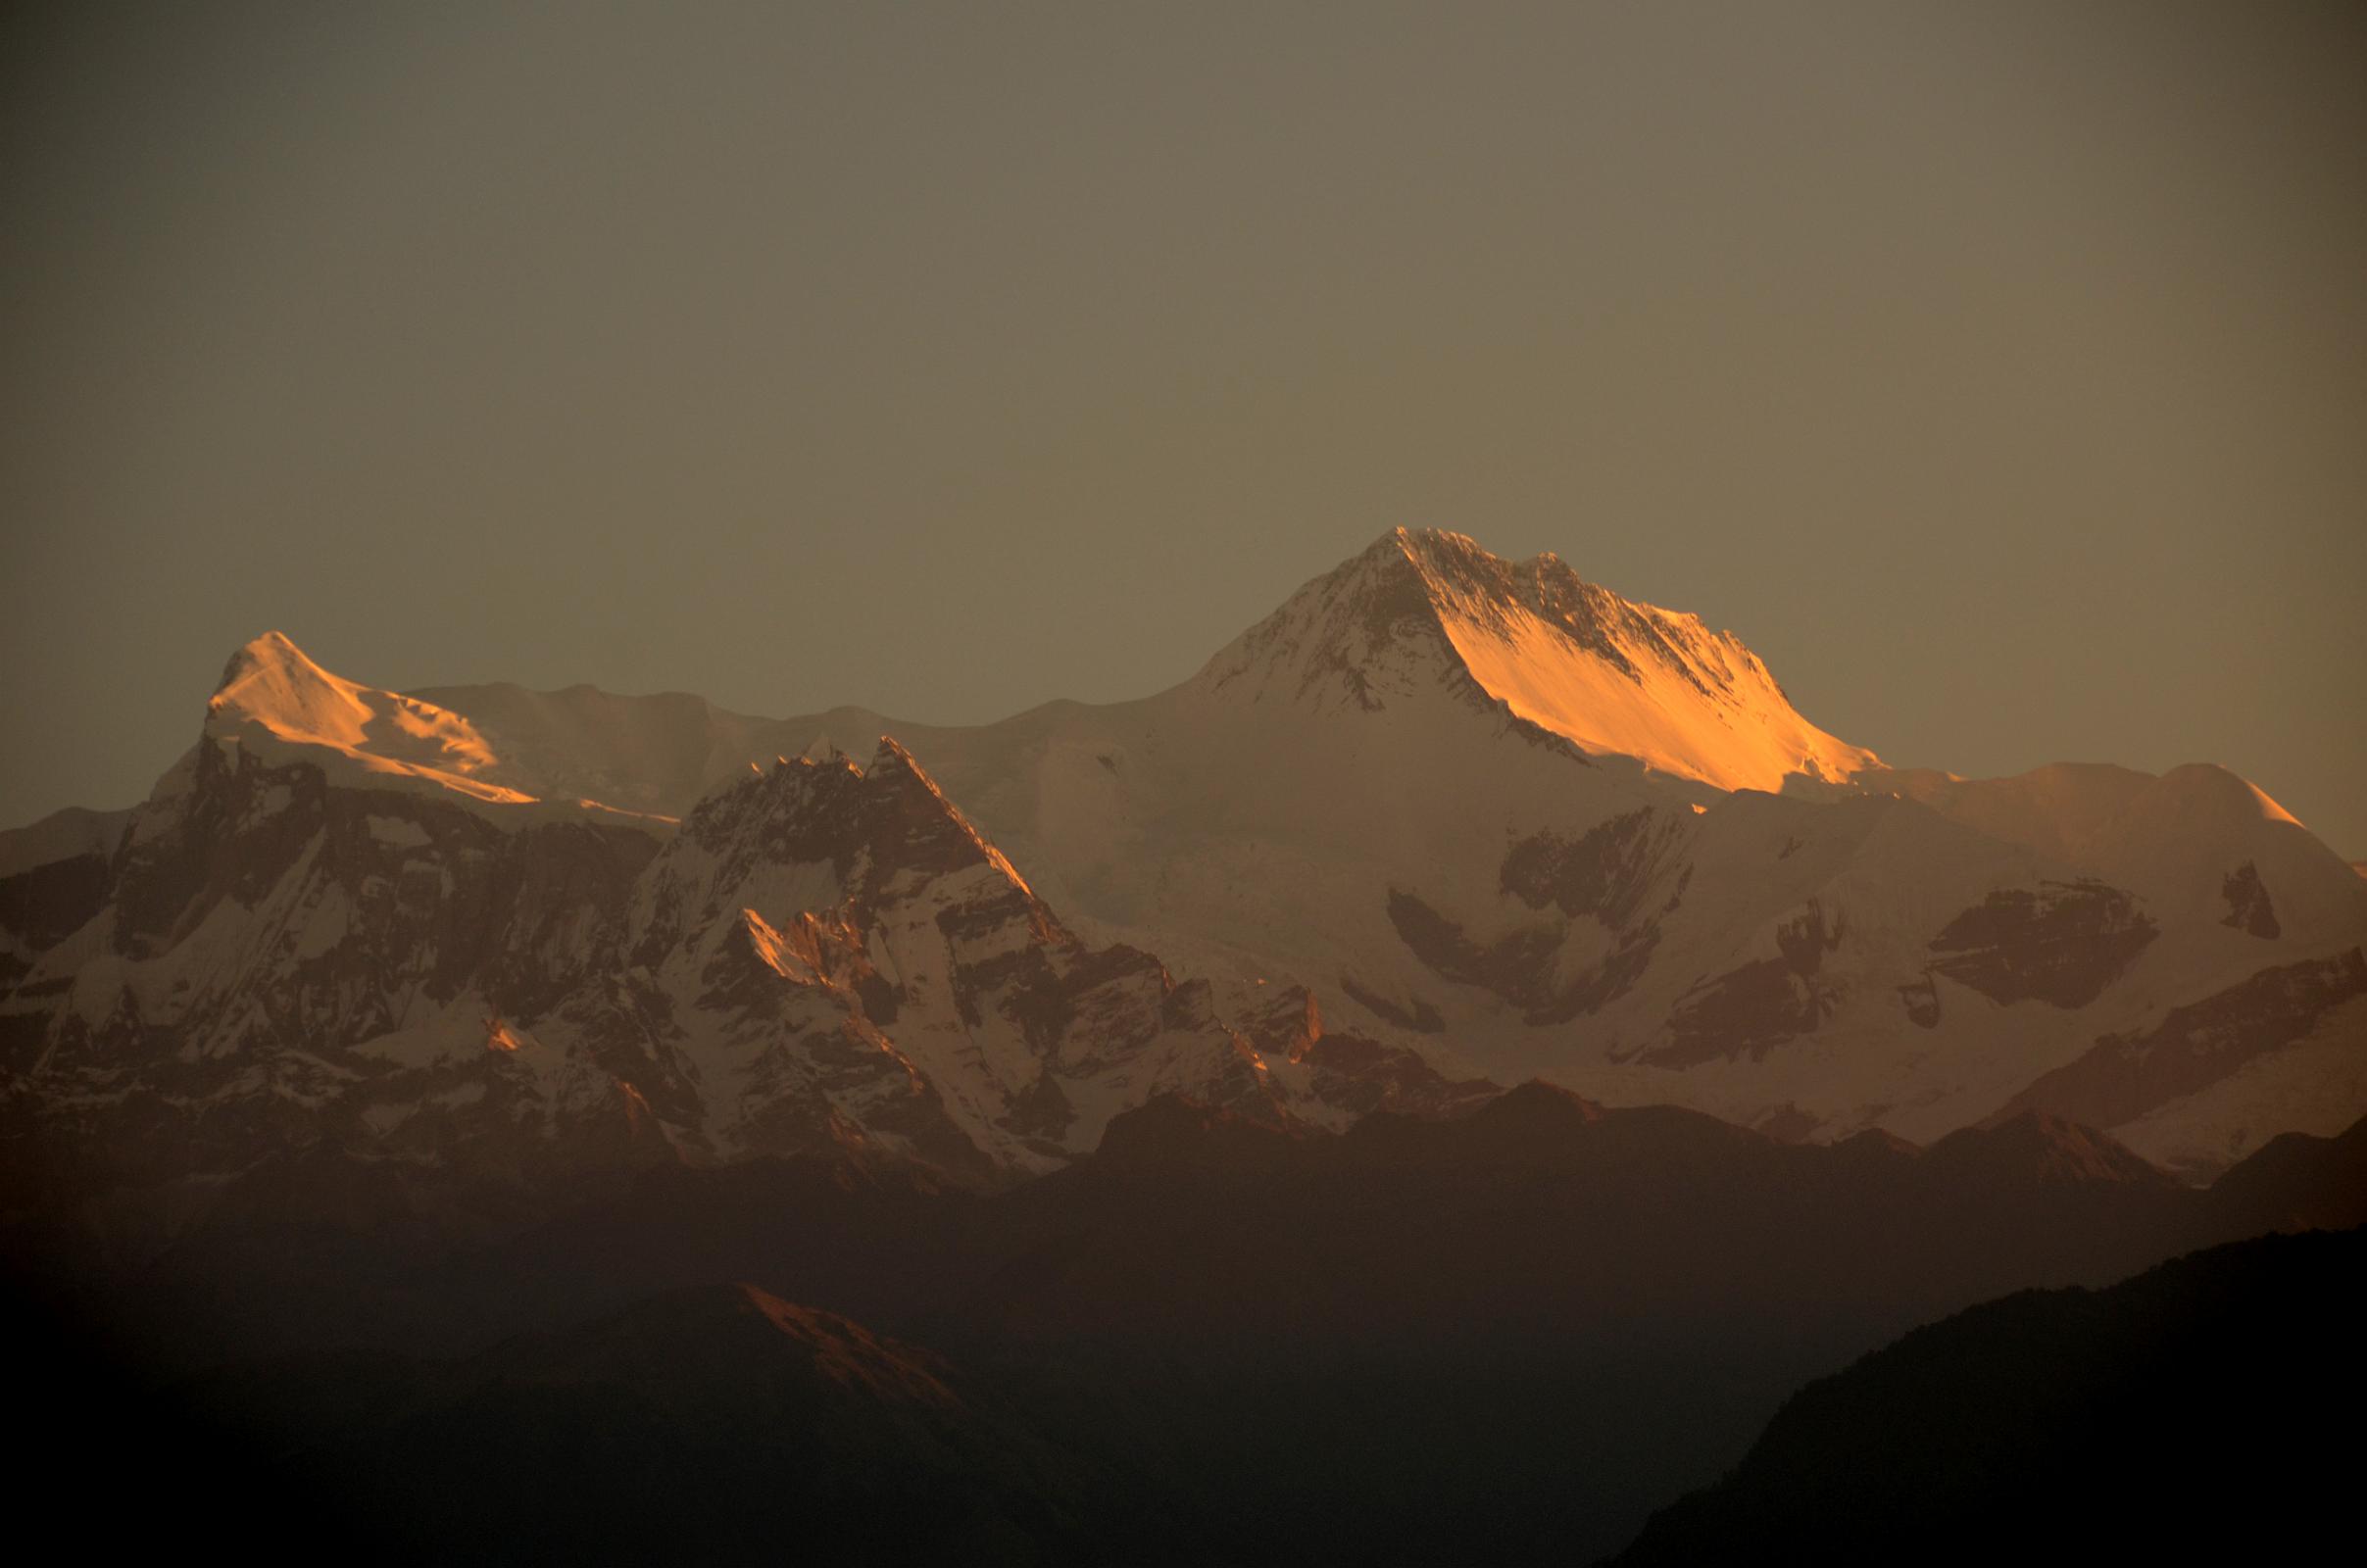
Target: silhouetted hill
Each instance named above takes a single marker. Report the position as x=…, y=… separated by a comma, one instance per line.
x=2196, y=1409
x=2298, y=1182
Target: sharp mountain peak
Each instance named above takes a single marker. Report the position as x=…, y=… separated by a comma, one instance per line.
x=1425, y=609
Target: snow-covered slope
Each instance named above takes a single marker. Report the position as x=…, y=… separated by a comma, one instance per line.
x=1440, y=820
x=579, y=748
x=275, y=701
x=658, y=754
x=1339, y=801
x=1606, y=674
x=2182, y=838
x=287, y=954
x=861, y=906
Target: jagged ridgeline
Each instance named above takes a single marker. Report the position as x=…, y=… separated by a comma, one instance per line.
x=1439, y=824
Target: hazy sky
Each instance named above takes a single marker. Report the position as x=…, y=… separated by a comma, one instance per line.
x=1998, y=372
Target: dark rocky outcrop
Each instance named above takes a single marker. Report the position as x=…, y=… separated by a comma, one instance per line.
x=2249, y=907
x=2061, y=942
x=1763, y=1004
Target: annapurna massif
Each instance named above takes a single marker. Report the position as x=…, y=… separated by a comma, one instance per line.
x=1439, y=824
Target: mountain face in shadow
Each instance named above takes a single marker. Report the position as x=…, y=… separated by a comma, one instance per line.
x=2191, y=1410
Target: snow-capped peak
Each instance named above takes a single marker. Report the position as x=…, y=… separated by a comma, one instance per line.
x=1421, y=607
x=273, y=696
x=276, y=702
x=872, y=822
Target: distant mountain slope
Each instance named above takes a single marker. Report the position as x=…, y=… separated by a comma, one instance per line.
x=53, y=878
x=2192, y=1411
x=65, y=835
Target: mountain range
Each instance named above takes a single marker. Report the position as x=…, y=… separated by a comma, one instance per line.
x=1429, y=1087
x=1439, y=824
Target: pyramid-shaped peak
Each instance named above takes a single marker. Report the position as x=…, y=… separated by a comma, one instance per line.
x=892, y=756
x=895, y=770
x=889, y=816
x=1441, y=545
x=274, y=697
x=1421, y=540
x=1456, y=574
x=272, y=653
x=1461, y=571
x=1439, y=552
x=1426, y=610
x=272, y=683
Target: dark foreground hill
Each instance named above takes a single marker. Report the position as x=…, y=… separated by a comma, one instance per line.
x=1506, y=1336
x=2206, y=1407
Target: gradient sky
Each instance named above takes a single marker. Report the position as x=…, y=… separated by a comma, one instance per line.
x=1998, y=372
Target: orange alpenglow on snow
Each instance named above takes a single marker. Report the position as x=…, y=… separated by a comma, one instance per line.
x=1423, y=607
x=272, y=693
x=1612, y=675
